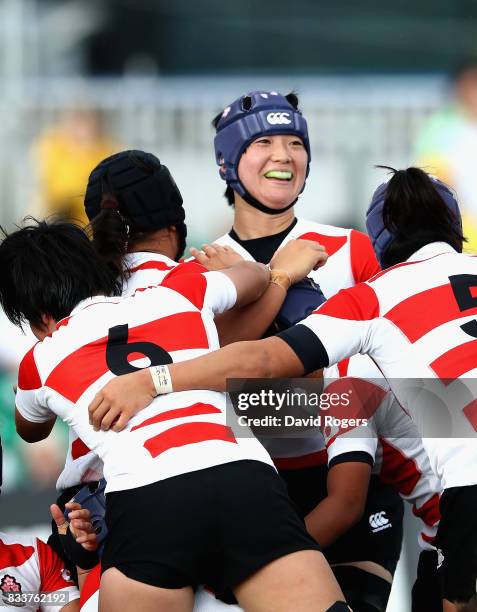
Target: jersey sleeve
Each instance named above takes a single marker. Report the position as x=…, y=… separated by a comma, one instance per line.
x=350, y=431
x=364, y=264
x=212, y=291
x=221, y=293
x=340, y=328
x=29, y=391
x=53, y=575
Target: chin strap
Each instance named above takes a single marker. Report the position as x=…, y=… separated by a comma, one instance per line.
x=266, y=209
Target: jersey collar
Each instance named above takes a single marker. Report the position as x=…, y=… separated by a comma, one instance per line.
x=96, y=299
x=431, y=250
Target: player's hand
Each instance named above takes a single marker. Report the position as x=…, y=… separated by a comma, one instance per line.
x=216, y=256
x=120, y=399
x=80, y=524
x=298, y=258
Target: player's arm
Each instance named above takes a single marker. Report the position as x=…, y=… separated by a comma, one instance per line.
x=31, y=431
x=347, y=486
x=250, y=280
x=293, y=353
x=124, y=396
x=289, y=265
x=33, y=419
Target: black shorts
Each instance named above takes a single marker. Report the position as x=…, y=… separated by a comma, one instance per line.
x=457, y=543
x=376, y=537
x=215, y=526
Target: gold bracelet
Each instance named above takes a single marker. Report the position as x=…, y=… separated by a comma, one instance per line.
x=280, y=278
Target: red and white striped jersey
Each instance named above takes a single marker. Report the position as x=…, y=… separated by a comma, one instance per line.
x=351, y=258
x=416, y=321
x=28, y=565
x=387, y=434
x=146, y=270
x=103, y=337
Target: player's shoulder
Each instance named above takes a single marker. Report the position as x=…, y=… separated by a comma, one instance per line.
x=305, y=226
x=142, y=260
x=28, y=373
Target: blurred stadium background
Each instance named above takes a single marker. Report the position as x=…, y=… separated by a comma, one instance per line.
x=81, y=78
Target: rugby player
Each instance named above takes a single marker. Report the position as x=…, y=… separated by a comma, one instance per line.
x=138, y=227
x=179, y=450
x=263, y=151
x=32, y=576
x=415, y=320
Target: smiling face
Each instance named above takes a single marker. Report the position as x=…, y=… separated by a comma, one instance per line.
x=273, y=169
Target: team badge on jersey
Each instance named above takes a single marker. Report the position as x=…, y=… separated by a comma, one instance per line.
x=9, y=584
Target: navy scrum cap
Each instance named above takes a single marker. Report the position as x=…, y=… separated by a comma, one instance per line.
x=255, y=114
x=147, y=195
x=380, y=236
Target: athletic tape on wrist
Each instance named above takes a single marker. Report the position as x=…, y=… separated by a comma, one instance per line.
x=161, y=379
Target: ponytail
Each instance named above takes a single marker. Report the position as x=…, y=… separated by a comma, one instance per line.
x=110, y=235
x=416, y=212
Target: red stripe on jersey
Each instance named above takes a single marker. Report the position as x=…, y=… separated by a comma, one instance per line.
x=52, y=569
x=191, y=286
x=358, y=399
x=151, y=265
x=428, y=539
x=343, y=367
x=399, y=265
x=91, y=584
x=28, y=376
x=429, y=512
x=414, y=317
x=79, y=449
x=397, y=469
x=188, y=433
x=72, y=376
x=332, y=244
x=298, y=463
x=364, y=264
x=356, y=304
x=473, y=292
x=63, y=322
x=456, y=362
x=186, y=267
x=470, y=412
x=179, y=413
x=14, y=555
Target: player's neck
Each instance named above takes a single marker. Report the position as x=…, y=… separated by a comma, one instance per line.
x=159, y=243
x=250, y=223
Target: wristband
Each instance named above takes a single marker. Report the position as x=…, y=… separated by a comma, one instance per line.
x=161, y=379
x=280, y=278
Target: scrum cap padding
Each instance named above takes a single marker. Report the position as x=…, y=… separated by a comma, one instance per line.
x=147, y=194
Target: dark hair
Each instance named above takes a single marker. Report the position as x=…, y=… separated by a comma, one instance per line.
x=415, y=212
x=110, y=235
x=229, y=195
x=48, y=267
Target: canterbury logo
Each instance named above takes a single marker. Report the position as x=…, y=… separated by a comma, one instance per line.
x=278, y=118
x=379, y=521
